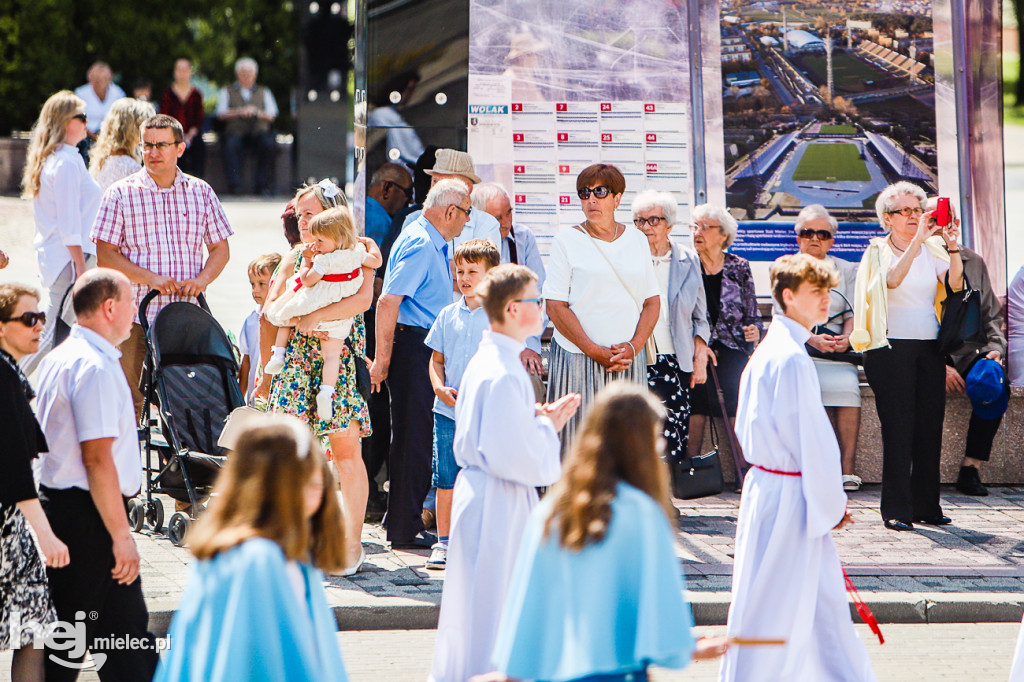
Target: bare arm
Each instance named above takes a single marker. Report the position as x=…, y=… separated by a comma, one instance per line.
x=280, y=282
x=243, y=374
x=351, y=306
x=307, y=275
x=569, y=326
x=387, y=319
x=446, y=394
x=55, y=552
x=373, y=257
x=219, y=254
x=106, y=495
x=109, y=256
x=644, y=328
x=78, y=258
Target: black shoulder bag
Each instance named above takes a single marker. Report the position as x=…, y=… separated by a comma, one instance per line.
x=961, y=319
x=700, y=476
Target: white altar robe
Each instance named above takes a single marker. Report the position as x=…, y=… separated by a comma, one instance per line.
x=1017, y=671
x=506, y=452
x=787, y=581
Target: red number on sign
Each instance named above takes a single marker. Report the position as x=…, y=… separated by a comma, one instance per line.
x=561, y=106
x=652, y=137
x=606, y=137
x=520, y=198
x=517, y=137
x=606, y=106
x=563, y=137
x=520, y=169
x=563, y=169
x=647, y=107
x=517, y=107
x=564, y=200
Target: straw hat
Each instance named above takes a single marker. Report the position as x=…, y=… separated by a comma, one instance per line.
x=454, y=162
x=523, y=44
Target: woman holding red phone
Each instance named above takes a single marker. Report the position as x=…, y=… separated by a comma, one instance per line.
x=897, y=309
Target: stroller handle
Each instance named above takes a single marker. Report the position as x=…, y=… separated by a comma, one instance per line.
x=153, y=293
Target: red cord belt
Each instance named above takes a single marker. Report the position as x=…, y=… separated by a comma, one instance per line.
x=862, y=608
x=343, y=277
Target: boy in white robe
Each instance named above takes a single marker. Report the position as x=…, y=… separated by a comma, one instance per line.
x=787, y=580
x=507, y=446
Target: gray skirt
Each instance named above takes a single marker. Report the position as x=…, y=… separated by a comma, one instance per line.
x=579, y=373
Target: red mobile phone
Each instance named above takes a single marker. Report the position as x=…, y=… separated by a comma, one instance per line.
x=942, y=212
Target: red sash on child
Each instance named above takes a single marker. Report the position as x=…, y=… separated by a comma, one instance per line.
x=862, y=608
x=343, y=277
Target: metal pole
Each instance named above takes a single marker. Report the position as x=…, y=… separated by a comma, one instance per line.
x=961, y=94
x=700, y=181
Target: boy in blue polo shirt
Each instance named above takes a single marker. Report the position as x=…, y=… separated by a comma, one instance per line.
x=454, y=338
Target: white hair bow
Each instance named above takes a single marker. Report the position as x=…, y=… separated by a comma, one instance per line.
x=329, y=188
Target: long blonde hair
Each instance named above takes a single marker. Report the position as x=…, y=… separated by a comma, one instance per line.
x=620, y=441
x=120, y=133
x=48, y=133
x=260, y=493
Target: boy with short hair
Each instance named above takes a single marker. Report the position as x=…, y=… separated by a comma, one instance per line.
x=454, y=338
x=261, y=271
x=507, y=446
x=787, y=582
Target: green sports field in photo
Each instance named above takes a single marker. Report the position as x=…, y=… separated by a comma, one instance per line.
x=832, y=162
x=837, y=130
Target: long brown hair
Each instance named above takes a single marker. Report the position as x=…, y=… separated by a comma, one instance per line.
x=48, y=133
x=620, y=441
x=260, y=493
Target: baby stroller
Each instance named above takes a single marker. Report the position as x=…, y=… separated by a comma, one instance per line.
x=191, y=375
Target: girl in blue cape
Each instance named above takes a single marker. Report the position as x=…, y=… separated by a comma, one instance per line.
x=254, y=607
x=597, y=593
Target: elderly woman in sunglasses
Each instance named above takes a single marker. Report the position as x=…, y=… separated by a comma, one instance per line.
x=840, y=385
x=682, y=332
x=897, y=303
x=602, y=296
x=65, y=199
x=23, y=580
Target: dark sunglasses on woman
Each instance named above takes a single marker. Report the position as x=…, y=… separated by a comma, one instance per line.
x=28, y=319
x=600, y=192
x=823, y=235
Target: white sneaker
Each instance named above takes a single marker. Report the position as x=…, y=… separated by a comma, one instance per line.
x=438, y=556
x=274, y=365
x=325, y=404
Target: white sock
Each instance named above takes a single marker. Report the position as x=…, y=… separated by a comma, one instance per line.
x=325, y=402
x=276, y=363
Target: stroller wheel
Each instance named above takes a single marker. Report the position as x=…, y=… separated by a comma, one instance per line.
x=155, y=515
x=177, y=528
x=136, y=515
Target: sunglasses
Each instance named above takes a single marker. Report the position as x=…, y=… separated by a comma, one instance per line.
x=81, y=117
x=600, y=192
x=823, y=235
x=28, y=319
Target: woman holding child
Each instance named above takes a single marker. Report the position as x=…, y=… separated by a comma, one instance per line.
x=294, y=390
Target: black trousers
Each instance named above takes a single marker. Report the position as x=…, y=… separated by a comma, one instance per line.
x=980, y=434
x=375, y=448
x=412, y=429
x=909, y=382
x=108, y=609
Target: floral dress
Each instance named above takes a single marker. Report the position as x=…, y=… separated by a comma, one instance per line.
x=294, y=390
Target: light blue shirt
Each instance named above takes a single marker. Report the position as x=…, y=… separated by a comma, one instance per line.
x=456, y=334
x=378, y=222
x=481, y=225
x=418, y=271
x=528, y=254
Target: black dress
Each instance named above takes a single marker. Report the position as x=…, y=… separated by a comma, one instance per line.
x=23, y=587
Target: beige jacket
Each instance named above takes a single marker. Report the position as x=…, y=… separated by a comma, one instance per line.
x=871, y=296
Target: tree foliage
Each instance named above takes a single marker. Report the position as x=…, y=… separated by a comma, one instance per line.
x=47, y=45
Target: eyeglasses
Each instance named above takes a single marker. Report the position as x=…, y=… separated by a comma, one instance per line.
x=28, y=319
x=407, y=191
x=697, y=227
x=159, y=146
x=907, y=212
x=823, y=235
x=467, y=211
x=81, y=117
x=538, y=301
x=653, y=222
x=600, y=192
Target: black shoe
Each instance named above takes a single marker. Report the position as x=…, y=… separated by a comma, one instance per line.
x=969, y=482
x=896, y=524
x=424, y=540
x=937, y=521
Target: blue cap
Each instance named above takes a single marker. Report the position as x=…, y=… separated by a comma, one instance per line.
x=987, y=388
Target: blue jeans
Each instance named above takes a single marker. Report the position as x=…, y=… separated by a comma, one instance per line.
x=444, y=467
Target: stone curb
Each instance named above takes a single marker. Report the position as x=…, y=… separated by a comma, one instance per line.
x=709, y=608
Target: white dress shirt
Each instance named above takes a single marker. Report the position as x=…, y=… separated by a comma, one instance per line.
x=83, y=396
x=96, y=109
x=64, y=210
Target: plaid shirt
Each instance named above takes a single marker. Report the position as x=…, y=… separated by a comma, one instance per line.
x=161, y=230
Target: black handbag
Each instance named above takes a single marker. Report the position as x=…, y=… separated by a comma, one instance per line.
x=700, y=476
x=363, y=384
x=852, y=357
x=961, y=319
x=61, y=329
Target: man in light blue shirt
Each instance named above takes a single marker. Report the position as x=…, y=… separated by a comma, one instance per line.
x=517, y=245
x=417, y=286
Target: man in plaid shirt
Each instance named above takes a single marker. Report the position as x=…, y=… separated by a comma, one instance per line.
x=152, y=226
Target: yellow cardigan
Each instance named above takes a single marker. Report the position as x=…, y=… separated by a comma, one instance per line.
x=871, y=295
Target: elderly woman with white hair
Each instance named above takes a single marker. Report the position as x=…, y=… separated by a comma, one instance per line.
x=732, y=313
x=840, y=385
x=247, y=111
x=897, y=310
x=682, y=332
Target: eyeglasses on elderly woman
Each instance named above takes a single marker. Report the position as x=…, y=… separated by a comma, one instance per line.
x=652, y=221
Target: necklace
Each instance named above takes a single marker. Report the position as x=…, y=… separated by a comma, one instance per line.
x=893, y=242
x=591, y=231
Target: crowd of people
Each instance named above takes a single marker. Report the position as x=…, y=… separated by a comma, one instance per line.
x=411, y=347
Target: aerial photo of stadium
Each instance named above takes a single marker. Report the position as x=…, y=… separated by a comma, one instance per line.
x=825, y=104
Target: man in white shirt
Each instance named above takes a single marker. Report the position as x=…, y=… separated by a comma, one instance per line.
x=99, y=94
x=92, y=468
x=247, y=110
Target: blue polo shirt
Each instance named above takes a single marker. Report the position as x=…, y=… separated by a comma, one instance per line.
x=418, y=271
x=456, y=335
x=377, y=220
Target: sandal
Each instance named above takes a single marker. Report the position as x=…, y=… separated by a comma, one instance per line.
x=851, y=483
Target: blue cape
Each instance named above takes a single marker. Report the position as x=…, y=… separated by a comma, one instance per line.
x=614, y=607
x=239, y=619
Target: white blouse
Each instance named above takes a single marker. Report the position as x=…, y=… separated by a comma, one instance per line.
x=115, y=168
x=912, y=303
